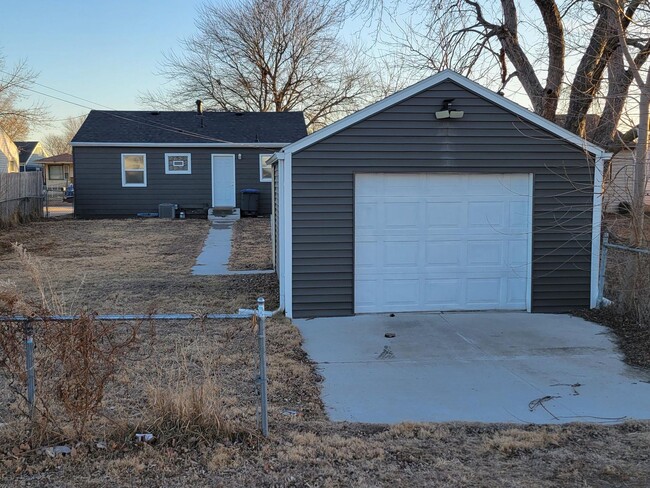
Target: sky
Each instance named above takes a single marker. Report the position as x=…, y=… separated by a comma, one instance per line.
x=104, y=51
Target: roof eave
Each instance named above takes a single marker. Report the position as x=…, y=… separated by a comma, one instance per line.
x=432, y=81
x=180, y=144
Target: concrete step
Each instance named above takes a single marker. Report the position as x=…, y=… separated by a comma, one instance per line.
x=223, y=214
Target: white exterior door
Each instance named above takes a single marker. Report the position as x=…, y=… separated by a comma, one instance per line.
x=223, y=180
x=435, y=242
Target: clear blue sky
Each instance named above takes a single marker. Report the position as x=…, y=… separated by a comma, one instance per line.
x=104, y=51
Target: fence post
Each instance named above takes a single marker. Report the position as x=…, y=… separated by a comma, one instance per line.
x=601, y=272
x=28, y=329
x=261, y=338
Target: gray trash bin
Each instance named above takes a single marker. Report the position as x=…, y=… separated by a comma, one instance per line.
x=250, y=202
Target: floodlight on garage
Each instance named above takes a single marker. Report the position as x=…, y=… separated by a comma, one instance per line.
x=447, y=112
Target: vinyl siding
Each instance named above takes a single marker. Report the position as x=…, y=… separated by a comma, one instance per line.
x=407, y=138
x=99, y=191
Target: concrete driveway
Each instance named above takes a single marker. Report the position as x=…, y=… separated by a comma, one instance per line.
x=485, y=367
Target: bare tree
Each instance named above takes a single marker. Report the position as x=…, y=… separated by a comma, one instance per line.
x=17, y=119
x=60, y=143
x=267, y=55
x=635, y=33
x=532, y=46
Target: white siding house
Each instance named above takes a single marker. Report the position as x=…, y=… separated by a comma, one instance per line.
x=8, y=154
x=618, y=181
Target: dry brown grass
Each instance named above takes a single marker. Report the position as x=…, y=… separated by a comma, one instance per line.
x=130, y=266
x=198, y=379
x=627, y=284
x=250, y=249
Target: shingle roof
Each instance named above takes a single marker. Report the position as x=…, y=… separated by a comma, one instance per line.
x=189, y=127
x=59, y=158
x=25, y=149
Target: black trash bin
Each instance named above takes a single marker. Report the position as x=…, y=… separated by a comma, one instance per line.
x=250, y=202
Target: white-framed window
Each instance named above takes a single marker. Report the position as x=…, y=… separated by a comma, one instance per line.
x=266, y=170
x=134, y=170
x=178, y=163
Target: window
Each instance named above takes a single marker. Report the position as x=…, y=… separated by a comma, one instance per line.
x=134, y=170
x=178, y=163
x=55, y=172
x=266, y=170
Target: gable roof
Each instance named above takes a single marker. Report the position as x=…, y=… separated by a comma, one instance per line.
x=107, y=127
x=25, y=149
x=58, y=158
x=446, y=75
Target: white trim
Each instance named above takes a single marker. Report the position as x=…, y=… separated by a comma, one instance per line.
x=179, y=144
x=429, y=82
x=281, y=233
x=262, y=179
x=187, y=171
x=234, y=176
x=595, y=231
x=134, y=185
x=273, y=216
x=529, y=271
x=286, y=184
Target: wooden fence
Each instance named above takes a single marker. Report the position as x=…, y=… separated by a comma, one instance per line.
x=21, y=197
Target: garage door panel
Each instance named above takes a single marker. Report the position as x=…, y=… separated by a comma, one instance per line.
x=482, y=252
x=443, y=252
x=445, y=214
x=486, y=214
x=401, y=253
x=441, y=242
x=401, y=215
x=441, y=292
x=483, y=291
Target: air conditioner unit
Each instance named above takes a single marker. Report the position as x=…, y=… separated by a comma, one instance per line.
x=167, y=210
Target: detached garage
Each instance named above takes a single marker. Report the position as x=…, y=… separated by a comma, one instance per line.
x=444, y=196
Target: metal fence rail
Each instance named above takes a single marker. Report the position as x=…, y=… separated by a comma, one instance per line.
x=259, y=313
x=603, y=264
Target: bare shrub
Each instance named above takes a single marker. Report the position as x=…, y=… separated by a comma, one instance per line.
x=74, y=360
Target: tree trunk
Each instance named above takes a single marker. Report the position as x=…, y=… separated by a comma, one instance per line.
x=641, y=157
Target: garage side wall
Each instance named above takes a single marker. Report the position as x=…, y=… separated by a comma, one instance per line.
x=407, y=138
x=98, y=180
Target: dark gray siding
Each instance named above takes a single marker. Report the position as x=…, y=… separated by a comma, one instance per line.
x=406, y=138
x=98, y=180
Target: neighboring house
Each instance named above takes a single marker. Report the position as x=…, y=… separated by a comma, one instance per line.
x=30, y=152
x=58, y=171
x=8, y=154
x=619, y=181
x=444, y=196
x=127, y=163
x=618, y=178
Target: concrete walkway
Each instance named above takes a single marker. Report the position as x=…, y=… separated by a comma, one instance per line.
x=213, y=259
x=485, y=367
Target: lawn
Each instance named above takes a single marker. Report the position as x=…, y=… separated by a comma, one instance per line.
x=209, y=368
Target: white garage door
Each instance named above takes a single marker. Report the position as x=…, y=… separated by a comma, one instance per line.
x=428, y=242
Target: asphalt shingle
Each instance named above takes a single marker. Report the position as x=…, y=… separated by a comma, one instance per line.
x=189, y=127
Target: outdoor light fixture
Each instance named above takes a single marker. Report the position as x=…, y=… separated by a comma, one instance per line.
x=447, y=112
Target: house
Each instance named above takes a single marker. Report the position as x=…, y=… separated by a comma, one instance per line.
x=619, y=181
x=444, y=196
x=8, y=154
x=129, y=162
x=618, y=177
x=58, y=171
x=30, y=152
